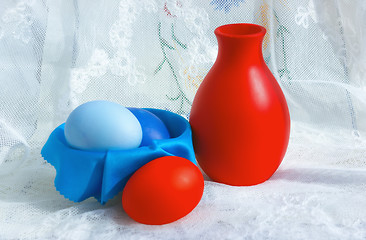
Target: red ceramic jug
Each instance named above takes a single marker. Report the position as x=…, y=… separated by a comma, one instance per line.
x=239, y=116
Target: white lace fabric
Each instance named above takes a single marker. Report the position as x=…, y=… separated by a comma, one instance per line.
x=56, y=55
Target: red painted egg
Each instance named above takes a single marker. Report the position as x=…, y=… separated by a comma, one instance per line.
x=163, y=191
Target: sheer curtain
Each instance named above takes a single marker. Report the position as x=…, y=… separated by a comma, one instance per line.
x=56, y=55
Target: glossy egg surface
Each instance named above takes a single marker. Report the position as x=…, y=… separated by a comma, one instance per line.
x=152, y=127
x=102, y=125
x=163, y=190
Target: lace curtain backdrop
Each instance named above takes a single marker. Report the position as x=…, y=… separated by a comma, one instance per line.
x=56, y=55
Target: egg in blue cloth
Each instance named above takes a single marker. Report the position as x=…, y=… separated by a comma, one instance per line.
x=101, y=126
x=81, y=174
x=152, y=127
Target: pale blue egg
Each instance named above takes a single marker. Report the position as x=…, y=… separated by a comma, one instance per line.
x=102, y=125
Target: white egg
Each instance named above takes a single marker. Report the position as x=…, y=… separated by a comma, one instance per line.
x=102, y=125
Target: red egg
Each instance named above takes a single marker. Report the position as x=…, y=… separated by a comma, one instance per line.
x=163, y=191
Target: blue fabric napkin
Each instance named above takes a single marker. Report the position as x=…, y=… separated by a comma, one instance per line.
x=82, y=174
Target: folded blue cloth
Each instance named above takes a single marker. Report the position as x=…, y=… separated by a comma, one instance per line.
x=82, y=174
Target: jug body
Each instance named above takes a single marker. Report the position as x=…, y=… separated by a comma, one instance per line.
x=239, y=117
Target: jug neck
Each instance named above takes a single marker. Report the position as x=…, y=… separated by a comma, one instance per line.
x=240, y=43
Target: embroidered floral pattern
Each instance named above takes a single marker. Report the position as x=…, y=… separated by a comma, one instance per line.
x=121, y=63
x=186, y=62
x=281, y=32
x=196, y=62
x=263, y=19
x=303, y=15
x=201, y=52
x=226, y=4
x=17, y=22
x=197, y=21
x=175, y=8
x=194, y=77
x=181, y=96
